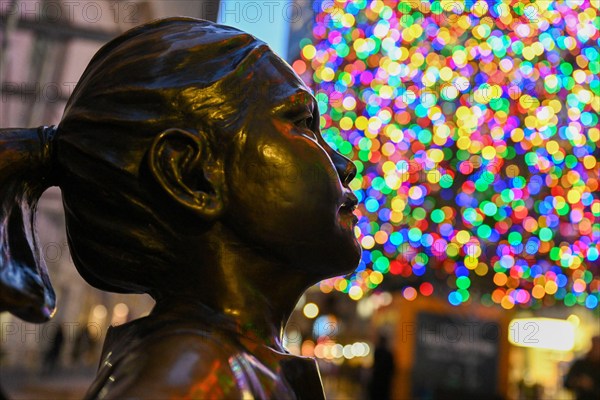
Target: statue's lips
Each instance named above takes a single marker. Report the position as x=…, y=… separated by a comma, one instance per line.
x=350, y=201
x=348, y=206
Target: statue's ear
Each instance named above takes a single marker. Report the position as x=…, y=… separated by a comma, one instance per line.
x=182, y=164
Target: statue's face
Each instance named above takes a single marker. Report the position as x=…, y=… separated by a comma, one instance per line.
x=288, y=190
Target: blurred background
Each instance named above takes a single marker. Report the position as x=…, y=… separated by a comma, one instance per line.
x=474, y=127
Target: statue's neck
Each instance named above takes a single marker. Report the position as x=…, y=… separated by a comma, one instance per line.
x=250, y=318
x=239, y=284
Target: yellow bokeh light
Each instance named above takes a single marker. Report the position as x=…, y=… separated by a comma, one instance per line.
x=463, y=237
x=355, y=293
x=551, y=287
x=309, y=51
x=310, y=310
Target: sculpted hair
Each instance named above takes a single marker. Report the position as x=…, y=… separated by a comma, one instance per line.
x=25, y=173
x=172, y=73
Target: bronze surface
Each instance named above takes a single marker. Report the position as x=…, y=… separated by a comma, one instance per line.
x=193, y=168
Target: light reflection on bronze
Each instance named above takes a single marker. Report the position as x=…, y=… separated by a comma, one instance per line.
x=161, y=156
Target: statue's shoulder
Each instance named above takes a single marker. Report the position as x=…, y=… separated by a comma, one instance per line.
x=179, y=363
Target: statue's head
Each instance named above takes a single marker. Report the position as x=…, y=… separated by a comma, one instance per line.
x=183, y=128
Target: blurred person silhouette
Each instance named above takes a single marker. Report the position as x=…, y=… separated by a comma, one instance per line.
x=53, y=352
x=583, y=377
x=382, y=373
x=531, y=391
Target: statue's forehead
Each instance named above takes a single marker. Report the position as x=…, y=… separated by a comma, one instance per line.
x=277, y=83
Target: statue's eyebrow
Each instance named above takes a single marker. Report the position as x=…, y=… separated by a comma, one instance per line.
x=301, y=100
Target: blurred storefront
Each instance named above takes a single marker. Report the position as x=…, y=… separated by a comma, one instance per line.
x=441, y=351
x=474, y=351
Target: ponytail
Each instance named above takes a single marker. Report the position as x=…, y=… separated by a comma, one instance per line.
x=26, y=171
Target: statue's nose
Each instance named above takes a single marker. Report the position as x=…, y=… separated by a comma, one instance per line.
x=345, y=168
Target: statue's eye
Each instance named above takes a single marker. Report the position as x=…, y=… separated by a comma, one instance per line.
x=302, y=118
x=304, y=122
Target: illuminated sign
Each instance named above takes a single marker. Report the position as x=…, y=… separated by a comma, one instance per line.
x=544, y=333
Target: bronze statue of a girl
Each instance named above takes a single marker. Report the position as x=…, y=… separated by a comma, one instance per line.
x=192, y=168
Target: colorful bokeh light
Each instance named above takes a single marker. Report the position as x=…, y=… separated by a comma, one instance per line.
x=474, y=127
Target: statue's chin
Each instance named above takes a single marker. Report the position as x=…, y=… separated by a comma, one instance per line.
x=335, y=263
